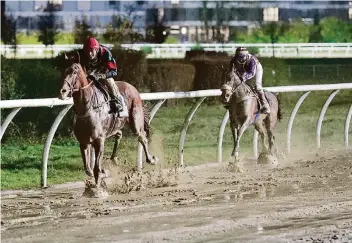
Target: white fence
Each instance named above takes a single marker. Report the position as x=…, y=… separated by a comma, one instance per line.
x=16, y=105
x=313, y=50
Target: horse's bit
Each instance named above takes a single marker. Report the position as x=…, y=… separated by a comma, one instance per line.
x=72, y=84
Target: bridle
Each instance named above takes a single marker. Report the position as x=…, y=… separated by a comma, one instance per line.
x=232, y=77
x=73, y=80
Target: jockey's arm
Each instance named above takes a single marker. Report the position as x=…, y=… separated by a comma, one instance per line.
x=250, y=72
x=110, y=64
x=111, y=73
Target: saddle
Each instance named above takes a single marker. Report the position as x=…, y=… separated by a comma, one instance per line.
x=103, y=89
x=108, y=97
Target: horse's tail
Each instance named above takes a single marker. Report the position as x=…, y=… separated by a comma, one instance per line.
x=279, y=111
x=147, y=128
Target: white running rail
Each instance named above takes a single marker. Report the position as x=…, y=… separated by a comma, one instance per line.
x=313, y=50
x=16, y=105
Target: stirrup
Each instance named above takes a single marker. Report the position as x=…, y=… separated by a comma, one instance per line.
x=121, y=109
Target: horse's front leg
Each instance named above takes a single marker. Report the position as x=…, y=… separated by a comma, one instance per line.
x=85, y=153
x=242, y=129
x=99, y=151
x=234, y=131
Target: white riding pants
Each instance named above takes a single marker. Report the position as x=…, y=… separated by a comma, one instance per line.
x=257, y=80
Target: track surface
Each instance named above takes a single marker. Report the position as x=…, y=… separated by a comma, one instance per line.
x=306, y=200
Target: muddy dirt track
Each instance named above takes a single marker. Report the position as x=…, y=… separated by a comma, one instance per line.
x=300, y=200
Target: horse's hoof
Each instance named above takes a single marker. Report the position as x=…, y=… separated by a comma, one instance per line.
x=265, y=158
x=153, y=161
x=235, y=154
x=105, y=173
x=89, y=173
x=115, y=160
x=235, y=167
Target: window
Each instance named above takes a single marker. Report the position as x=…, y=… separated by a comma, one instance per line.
x=271, y=14
x=57, y=4
x=55, y=1
x=175, y=2
x=83, y=5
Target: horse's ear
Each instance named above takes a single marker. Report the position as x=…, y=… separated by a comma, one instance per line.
x=78, y=57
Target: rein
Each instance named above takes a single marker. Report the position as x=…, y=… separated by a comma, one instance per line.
x=235, y=88
x=72, y=83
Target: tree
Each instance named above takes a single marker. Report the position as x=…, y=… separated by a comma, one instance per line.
x=81, y=31
x=221, y=17
x=8, y=28
x=315, y=33
x=335, y=30
x=265, y=33
x=157, y=31
x=121, y=31
x=296, y=32
x=47, y=26
x=206, y=15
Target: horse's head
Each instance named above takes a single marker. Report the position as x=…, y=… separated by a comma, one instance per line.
x=232, y=81
x=233, y=76
x=66, y=59
x=73, y=79
x=226, y=93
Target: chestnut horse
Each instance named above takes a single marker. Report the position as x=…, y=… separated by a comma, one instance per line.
x=93, y=123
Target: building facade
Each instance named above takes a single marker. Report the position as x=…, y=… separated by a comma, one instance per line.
x=187, y=20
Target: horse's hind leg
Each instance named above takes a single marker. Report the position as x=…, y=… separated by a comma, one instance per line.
x=142, y=138
x=86, y=158
x=99, y=151
x=138, y=126
x=118, y=138
x=259, y=126
x=271, y=137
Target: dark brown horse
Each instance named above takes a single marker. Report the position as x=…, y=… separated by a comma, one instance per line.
x=93, y=124
x=244, y=110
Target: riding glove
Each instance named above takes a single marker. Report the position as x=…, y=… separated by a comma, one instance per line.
x=98, y=76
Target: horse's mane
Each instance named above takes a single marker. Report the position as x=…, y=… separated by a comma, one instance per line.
x=66, y=59
x=231, y=77
x=77, y=67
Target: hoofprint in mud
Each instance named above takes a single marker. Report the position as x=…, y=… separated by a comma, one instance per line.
x=299, y=200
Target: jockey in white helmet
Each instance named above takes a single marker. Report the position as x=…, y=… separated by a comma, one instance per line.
x=248, y=68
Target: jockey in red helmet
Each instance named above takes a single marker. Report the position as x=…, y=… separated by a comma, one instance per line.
x=101, y=66
x=248, y=67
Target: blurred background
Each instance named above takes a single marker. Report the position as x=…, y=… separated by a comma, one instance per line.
x=174, y=22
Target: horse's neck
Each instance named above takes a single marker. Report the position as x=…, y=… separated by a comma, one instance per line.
x=82, y=100
x=242, y=92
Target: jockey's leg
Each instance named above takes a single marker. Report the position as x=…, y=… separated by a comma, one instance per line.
x=121, y=106
x=259, y=88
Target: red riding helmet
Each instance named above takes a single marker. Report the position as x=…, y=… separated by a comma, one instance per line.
x=91, y=43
